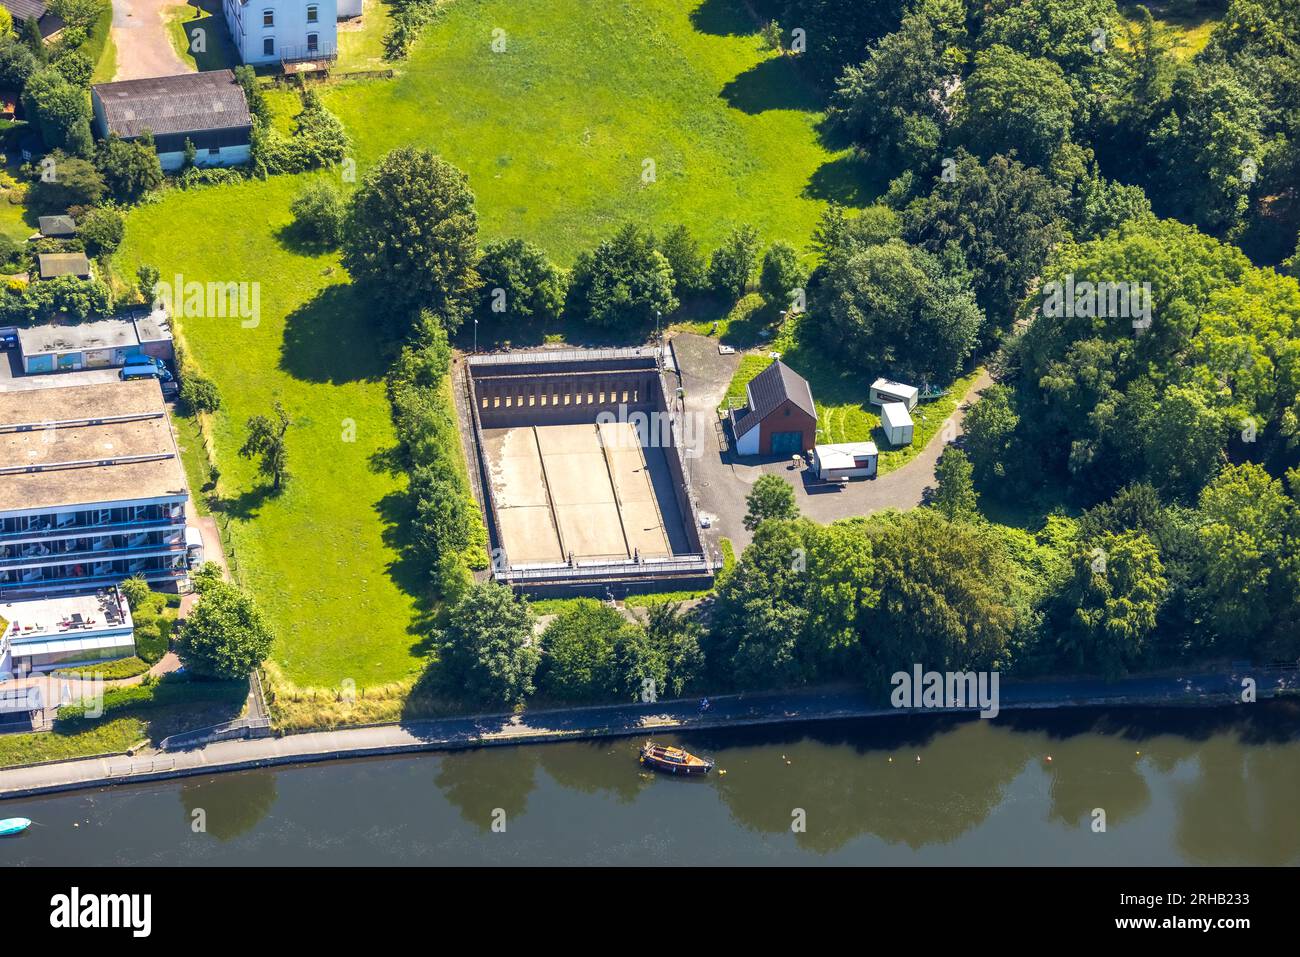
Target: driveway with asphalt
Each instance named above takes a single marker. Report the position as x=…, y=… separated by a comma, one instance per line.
x=721, y=481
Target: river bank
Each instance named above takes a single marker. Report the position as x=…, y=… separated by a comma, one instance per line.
x=610, y=721
x=1178, y=786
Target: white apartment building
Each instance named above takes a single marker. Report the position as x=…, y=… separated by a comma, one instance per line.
x=283, y=31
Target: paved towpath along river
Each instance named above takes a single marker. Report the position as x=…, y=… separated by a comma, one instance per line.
x=608, y=721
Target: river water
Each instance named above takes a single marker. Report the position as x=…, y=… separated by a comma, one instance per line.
x=1176, y=787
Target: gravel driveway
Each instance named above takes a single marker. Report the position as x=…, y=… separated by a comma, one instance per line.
x=140, y=36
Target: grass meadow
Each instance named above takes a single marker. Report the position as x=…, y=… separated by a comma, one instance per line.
x=553, y=134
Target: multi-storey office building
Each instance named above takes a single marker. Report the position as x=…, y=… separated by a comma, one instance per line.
x=92, y=490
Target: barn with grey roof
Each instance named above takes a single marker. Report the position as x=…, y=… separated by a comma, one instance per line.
x=208, y=109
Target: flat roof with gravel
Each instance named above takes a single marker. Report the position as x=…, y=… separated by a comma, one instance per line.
x=87, y=445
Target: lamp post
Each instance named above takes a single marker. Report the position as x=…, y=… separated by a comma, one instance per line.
x=476, y=335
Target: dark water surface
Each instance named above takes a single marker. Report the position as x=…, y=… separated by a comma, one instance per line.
x=1177, y=786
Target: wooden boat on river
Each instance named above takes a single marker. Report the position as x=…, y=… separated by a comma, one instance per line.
x=673, y=760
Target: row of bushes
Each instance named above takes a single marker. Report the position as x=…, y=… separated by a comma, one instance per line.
x=447, y=534
x=152, y=693
x=631, y=279
x=409, y=18
x=318, y=138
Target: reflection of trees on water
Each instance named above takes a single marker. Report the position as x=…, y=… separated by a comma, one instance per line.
x=848, y=786
x=1244, y=805
x=1097, y=772
x=233, y=804
x=597, y=767
x=478, y=782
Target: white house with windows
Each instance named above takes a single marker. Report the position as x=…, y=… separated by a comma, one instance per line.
x=283, y=31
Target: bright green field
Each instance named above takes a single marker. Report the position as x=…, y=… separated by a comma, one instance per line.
x=552, y=134
x=315, y=555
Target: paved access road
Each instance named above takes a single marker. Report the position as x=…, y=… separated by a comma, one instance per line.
x=721, y=482
x=610, y=721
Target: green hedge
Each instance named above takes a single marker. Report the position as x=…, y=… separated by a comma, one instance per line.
x=153, y=693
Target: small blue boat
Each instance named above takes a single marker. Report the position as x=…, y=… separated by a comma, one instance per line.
x=14, y=825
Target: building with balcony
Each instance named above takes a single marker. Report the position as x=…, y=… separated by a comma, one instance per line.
x=67, y=632
x=283, y=32
x=92, y=490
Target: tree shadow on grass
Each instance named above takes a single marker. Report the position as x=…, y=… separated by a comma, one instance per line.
x=218, y=51
x=851, y=180
x=407, y=571
x=772, y=84
x=293, y=237
x=339, y=336
x=246, y=505
x=723, y=18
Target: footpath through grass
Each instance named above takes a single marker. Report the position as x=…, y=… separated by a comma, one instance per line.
x=553, y=134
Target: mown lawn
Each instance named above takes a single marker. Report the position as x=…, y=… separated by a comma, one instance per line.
x=554, y=131
x=553, y=134
x=218, y=51
x=361, y=42
x=316, y=555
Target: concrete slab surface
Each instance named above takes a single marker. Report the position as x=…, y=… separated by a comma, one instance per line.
x=559, y=490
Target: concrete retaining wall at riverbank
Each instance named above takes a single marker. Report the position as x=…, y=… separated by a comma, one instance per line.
x=730, y=711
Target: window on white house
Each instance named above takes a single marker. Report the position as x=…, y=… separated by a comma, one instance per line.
x=311, y=13
x=268, y=18
x=268, y=46
x=312, y=41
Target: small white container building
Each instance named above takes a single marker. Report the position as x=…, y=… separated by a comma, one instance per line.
x=885, y=390
x=897, y=423
x=848, y=460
